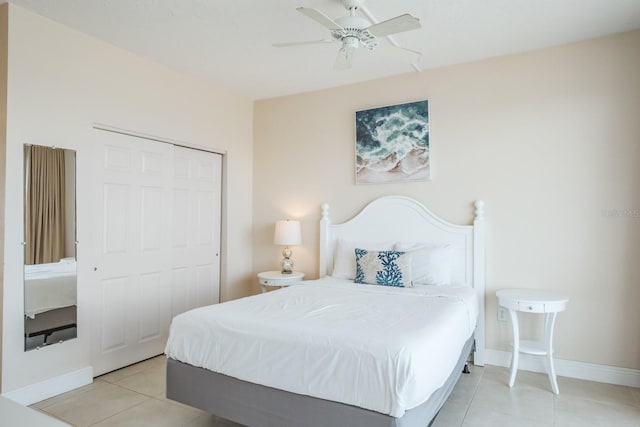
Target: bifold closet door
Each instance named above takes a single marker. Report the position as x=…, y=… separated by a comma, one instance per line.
x=158, y=244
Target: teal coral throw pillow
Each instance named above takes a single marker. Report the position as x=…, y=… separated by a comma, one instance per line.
x=387, y=268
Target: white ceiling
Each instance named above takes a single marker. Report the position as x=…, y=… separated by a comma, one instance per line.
x=229, y=41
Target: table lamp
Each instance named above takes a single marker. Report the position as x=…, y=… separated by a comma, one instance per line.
x=287, y=234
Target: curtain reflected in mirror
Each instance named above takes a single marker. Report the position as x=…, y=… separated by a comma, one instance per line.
x=50, y=310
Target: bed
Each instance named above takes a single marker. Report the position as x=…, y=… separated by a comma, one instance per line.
x=49, y=298
x=333, y=352
x=49, y=286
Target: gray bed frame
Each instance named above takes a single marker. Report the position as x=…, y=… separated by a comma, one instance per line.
x=389, y=218
x=260, y=406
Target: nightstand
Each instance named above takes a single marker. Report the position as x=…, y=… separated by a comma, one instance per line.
x=533, y=301
x=276, y=278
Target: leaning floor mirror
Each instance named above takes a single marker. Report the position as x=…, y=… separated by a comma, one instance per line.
x=50, y=309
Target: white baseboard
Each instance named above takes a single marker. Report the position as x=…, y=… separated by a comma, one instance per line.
x=568, y=368
x=52, y=387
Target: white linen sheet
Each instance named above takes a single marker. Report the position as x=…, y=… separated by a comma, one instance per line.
x=381, y=348
x=49, y=286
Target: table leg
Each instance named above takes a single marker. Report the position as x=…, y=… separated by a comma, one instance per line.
x=516, y=346
x=549, y=323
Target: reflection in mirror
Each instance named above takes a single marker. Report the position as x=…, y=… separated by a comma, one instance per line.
x=50, y=246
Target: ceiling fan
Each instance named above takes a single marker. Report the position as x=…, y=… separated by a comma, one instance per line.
x=354, y=31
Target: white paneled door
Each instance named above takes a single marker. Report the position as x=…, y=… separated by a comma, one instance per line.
x=158, y=247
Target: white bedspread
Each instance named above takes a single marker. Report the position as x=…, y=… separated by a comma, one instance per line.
x=49, y=286
x=381, y=348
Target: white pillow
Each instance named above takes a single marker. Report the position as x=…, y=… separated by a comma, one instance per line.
x=344, y=257
x=431, y=264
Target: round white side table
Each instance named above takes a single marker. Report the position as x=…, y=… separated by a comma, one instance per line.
x=533, y=301
x=276, y=278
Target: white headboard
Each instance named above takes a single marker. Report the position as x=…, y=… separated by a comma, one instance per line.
x=402, y=219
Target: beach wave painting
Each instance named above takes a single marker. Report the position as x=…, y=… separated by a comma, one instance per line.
x=392, y=144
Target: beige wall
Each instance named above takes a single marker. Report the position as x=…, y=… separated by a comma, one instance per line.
x=60, y=83
x=549, y=139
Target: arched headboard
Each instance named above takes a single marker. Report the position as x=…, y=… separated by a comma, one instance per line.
x=403, y=219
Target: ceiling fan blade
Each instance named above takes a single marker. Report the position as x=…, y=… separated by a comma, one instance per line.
x=344, y=60
x=287, y=44
x=395, y=25
x=319, y=17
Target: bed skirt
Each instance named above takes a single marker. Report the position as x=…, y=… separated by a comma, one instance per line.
x=260, y=406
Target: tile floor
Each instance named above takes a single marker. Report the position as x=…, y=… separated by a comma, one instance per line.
x=134, y=396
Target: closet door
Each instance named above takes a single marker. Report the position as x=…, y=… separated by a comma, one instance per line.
x=195, y=231
x=139, y=282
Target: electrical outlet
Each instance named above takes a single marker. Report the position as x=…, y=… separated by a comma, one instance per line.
x=502, y=314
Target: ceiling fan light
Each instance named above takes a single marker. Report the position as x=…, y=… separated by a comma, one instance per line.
x=350, y=43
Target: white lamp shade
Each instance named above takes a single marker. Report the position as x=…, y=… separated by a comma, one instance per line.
x=287, y=233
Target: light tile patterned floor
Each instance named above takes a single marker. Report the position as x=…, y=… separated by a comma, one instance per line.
x=134, y=396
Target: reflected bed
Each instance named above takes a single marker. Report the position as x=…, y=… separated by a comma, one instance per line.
x=49, y=300
x=49, y=286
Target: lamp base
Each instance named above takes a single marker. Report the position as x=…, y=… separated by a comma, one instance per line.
x=286, y=265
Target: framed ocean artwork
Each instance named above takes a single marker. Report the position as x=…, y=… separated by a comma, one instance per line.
x=392, y=144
